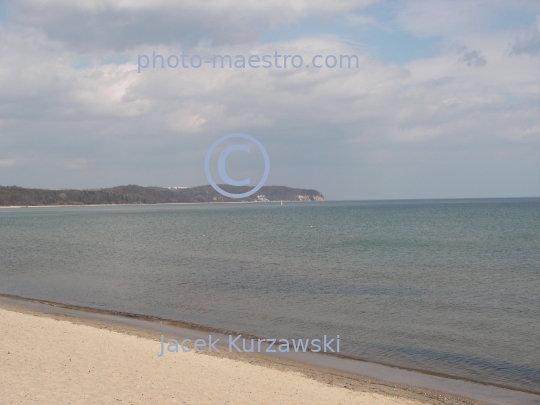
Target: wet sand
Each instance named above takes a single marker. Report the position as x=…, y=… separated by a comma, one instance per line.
x=53, y=358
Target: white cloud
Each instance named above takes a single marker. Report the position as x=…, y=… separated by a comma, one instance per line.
x=121, y=25
x=7, y=162
x=123, y=126
x=528, y=43
x=78, y=163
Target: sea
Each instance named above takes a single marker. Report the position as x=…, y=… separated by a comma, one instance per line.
x=445, y=286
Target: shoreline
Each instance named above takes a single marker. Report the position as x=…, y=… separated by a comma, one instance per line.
x=391, y=201
x=318, y=366
x=145, y=204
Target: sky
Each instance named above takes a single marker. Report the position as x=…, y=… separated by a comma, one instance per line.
x=444, y=103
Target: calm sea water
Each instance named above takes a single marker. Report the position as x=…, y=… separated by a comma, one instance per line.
x=444, y=286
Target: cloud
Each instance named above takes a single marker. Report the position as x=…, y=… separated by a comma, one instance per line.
x=472, y=58
x=528, y=44
x=120, y=25
x=73, y=100
x=7, y=162
x=78, y=163
x=457, y=18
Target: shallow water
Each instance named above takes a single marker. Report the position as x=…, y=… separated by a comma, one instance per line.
x=443, y=286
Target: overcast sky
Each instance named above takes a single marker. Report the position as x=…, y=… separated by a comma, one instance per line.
x=445, y=102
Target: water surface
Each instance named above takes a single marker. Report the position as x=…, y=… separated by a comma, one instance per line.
x=443, y=286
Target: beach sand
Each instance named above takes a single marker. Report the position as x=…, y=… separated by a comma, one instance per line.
x=48, y=360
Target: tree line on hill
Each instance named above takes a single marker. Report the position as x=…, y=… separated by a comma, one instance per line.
x=132, y=194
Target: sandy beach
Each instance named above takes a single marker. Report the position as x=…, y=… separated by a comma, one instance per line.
x=49, y=360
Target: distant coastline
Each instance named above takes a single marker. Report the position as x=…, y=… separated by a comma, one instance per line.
x=18, y=197
x=132, y=204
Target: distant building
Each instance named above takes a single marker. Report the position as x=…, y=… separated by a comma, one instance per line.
x=177, y=188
